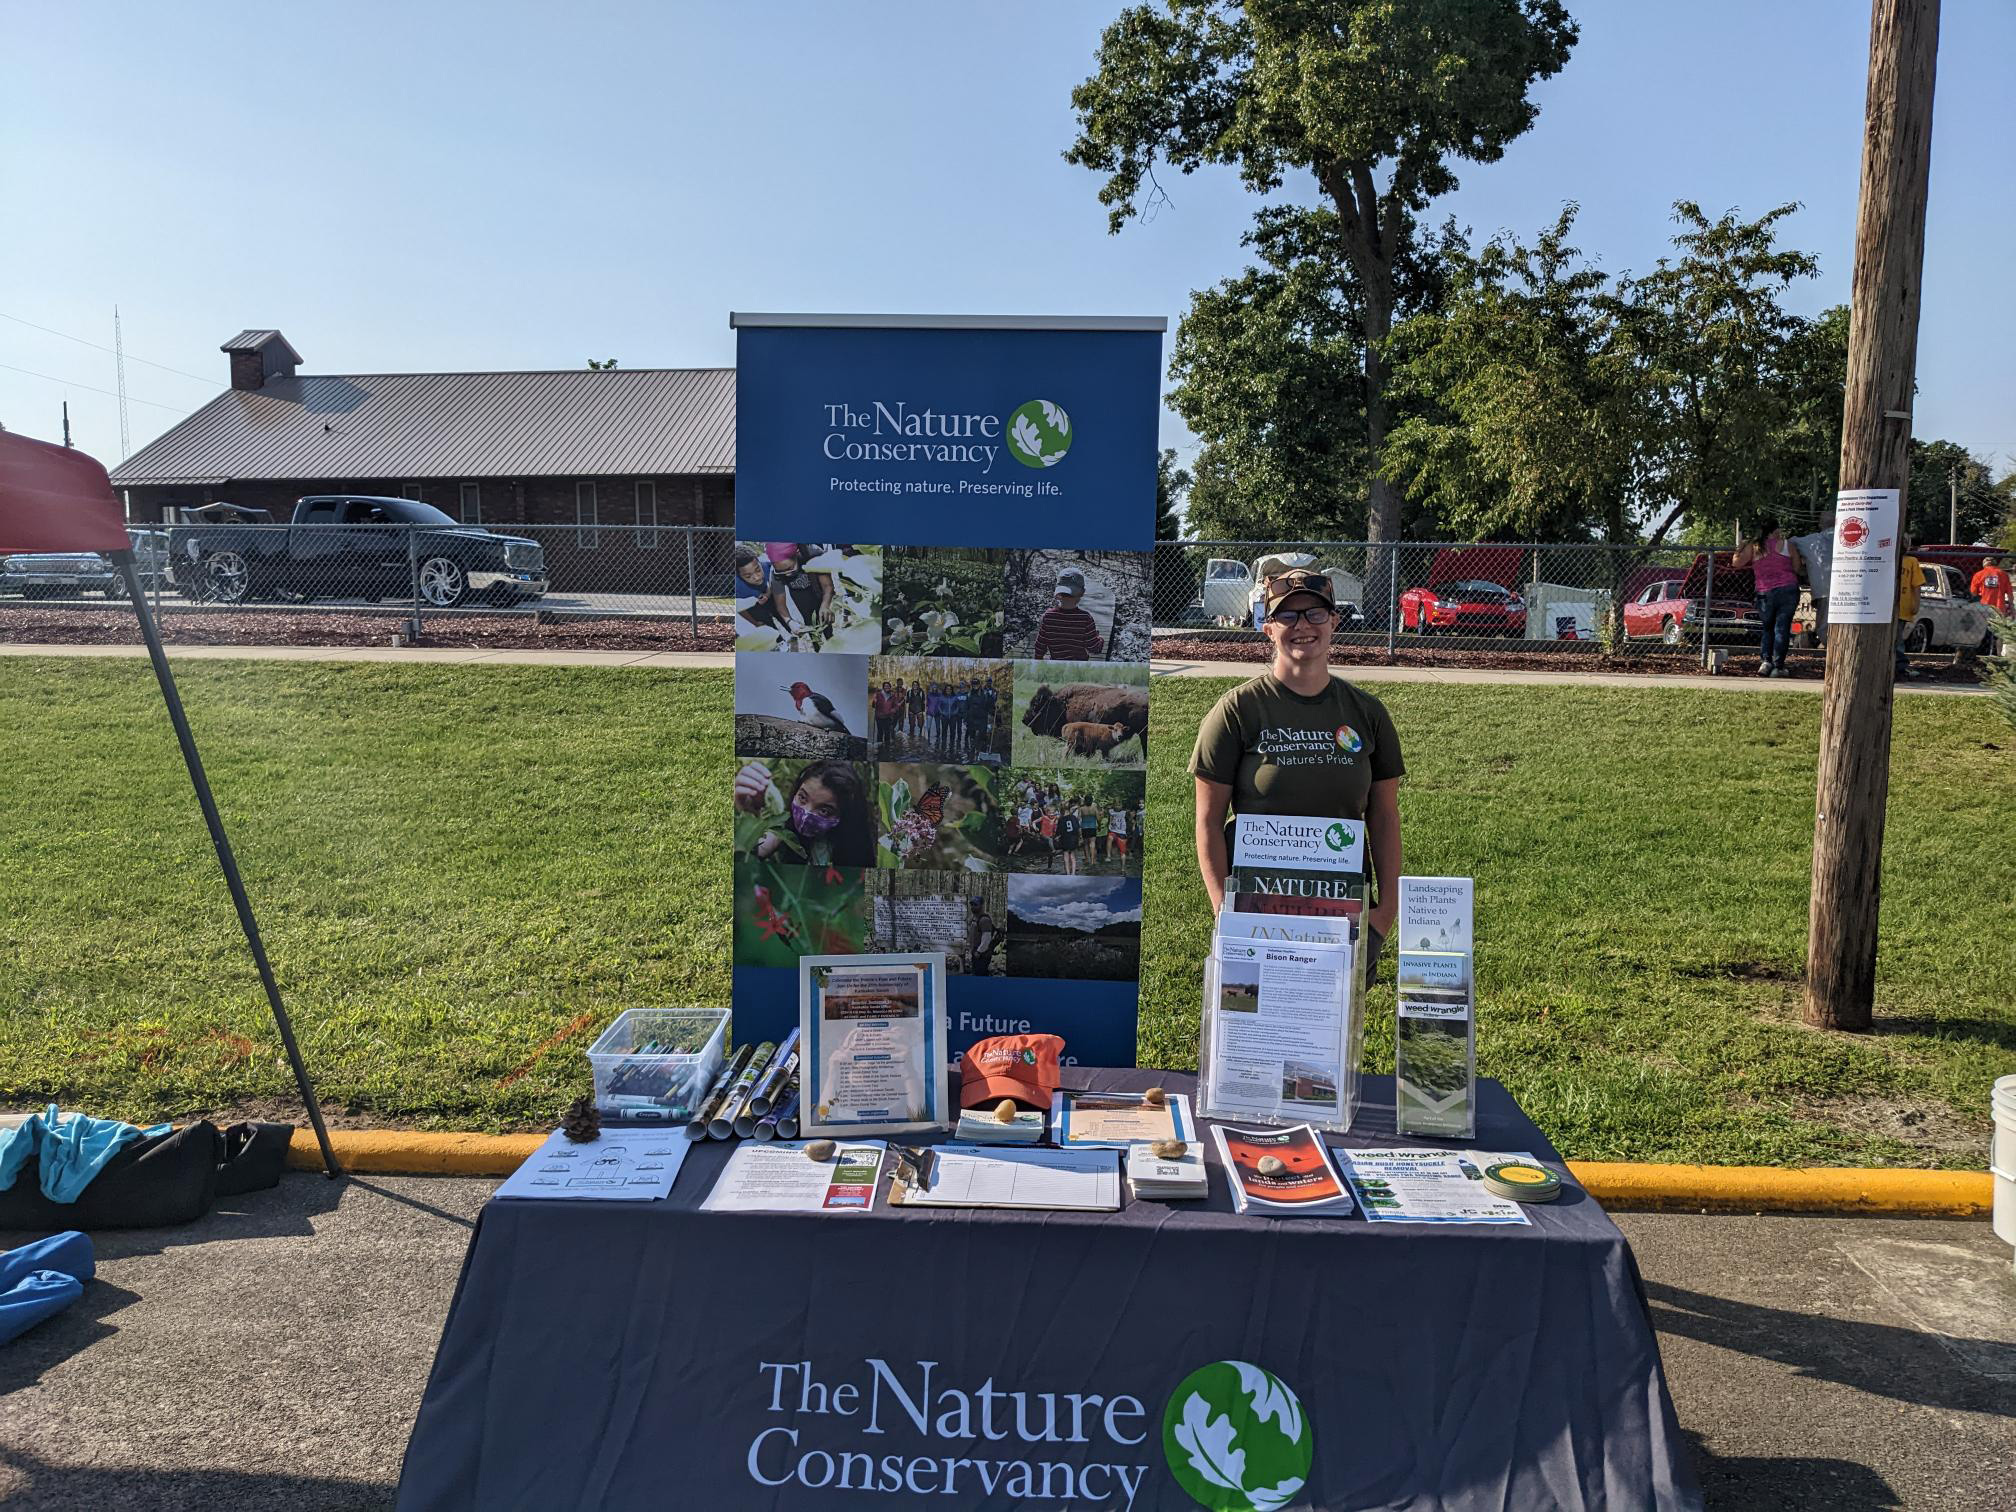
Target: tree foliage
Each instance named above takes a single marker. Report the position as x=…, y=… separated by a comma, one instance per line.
x=1346, y=91
x=1172, y=483
x=1524, y=414
x=1710, y=341
x=1268, y=372
x=1937, y=468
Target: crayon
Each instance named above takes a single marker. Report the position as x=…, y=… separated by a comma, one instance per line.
x=696, y=1128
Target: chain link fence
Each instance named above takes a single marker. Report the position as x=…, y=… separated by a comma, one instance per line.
x=1425, y=599
x=1676, y=602
x=411, y=573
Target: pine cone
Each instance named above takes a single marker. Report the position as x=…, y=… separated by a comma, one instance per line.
x=582, y=1122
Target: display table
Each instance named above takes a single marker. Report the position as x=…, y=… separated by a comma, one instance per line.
x=647, y=1355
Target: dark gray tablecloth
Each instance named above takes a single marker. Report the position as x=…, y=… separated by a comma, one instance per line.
x=647, y=1355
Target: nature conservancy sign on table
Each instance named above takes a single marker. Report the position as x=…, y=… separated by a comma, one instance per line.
x=1232, y=1435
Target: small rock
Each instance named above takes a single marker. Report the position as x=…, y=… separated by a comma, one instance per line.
x=819, y=1149
x=1172, y=1149
x=1155, y=1097
x=1004, y=1111
x=1272, y=1165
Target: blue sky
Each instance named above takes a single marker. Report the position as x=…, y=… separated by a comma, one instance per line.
x=452, y=186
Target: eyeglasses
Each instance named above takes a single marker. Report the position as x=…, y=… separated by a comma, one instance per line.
x=1317, y=617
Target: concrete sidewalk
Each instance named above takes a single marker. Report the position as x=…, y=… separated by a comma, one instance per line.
x=1162, y=667
x=274, y=1354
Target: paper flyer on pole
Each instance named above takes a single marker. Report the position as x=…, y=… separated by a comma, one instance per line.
x=1862, y=584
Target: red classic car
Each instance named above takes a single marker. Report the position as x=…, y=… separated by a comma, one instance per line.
x=1671, y=611
x=1463, y=608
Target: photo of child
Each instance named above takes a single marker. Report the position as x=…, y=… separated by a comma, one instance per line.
x=1072, y=822
x=805, y=813
x=1078, y=605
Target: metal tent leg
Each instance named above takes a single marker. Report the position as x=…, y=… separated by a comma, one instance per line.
x=123, y=560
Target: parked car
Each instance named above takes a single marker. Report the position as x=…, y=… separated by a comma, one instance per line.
x=1467, y=607
x=352, y=546
x=1672, y=610
x=1948, y=617
x=72, y=574
x=1231, y=592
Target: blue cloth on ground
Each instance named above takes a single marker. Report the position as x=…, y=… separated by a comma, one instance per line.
x=41, y=1279
x=71, y=1148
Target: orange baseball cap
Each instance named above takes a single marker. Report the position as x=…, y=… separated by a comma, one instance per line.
x=1019, y=1066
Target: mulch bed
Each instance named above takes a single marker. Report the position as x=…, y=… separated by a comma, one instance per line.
x=1741, y=663
x=253, y=627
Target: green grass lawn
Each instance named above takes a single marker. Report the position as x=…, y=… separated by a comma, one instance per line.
x=463, y=873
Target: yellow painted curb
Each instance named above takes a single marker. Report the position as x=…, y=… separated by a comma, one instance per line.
x=1626, y=1186
x=402, y=1152
x=1779, y=1189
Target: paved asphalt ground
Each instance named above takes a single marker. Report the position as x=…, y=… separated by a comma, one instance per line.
x=273, y=1356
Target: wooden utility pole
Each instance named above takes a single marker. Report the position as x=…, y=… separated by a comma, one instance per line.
x=1875, y=453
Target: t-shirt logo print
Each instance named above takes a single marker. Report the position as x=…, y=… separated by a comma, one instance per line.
x=1039, y=433
x=1236, y=1438
x=1349, y=739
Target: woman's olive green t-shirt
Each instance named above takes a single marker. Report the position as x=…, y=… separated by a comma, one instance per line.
x=1283, y=752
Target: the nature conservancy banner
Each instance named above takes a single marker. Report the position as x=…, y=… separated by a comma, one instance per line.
x=945, y=529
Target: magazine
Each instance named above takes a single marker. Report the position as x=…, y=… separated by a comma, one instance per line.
x=1306, y=1183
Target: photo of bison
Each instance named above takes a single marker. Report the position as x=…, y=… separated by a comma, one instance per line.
x=1080, y=722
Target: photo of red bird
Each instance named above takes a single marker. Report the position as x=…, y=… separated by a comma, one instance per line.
x=816, y=709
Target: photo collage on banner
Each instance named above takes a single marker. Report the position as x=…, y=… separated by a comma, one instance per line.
x=941, y=749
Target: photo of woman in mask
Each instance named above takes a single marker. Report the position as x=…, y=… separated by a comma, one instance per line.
x=813, y=813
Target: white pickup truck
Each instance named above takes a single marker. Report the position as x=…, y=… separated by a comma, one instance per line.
x=1947, y=617
x=1231, y=589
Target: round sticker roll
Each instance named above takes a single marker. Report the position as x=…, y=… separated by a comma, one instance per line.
x=1522, y=1182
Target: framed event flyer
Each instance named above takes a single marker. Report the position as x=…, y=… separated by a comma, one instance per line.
x=871, y=1031
x=1276, y=1044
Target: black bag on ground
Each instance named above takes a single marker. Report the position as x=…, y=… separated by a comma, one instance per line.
x=254, y=1156
x=169, y=1178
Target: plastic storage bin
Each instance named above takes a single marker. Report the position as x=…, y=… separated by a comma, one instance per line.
x=653, y=1065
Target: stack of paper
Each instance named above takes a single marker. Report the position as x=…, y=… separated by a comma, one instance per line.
x=1280, y=1172
x=980, y=1126
x=1162, y=1178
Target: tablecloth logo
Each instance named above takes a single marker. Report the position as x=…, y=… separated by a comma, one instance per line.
x=1039, y=433
x=1236, y=1438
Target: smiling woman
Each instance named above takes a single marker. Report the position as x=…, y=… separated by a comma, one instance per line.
x=1299, y=740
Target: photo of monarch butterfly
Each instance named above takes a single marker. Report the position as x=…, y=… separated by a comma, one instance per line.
x=943, y=817
x=932, y=804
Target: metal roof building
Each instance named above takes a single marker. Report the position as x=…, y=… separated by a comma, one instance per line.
x=616, y=446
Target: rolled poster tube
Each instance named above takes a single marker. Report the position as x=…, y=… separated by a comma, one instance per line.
x=786, y=1109
x=696, y=1127
x=722, y=1124
x=763, y=1096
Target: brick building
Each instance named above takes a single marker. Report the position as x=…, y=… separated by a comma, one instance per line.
x=600, y=459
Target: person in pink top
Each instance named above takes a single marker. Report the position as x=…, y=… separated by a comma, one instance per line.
x=1769, y=558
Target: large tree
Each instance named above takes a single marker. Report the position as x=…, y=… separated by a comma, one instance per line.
x=1171, y=484
x=1268, y=368
x=1522, y=418
x=1372, y=99
x=1712, y=347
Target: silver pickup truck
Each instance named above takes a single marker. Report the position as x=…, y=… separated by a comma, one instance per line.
x=1948, y=617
